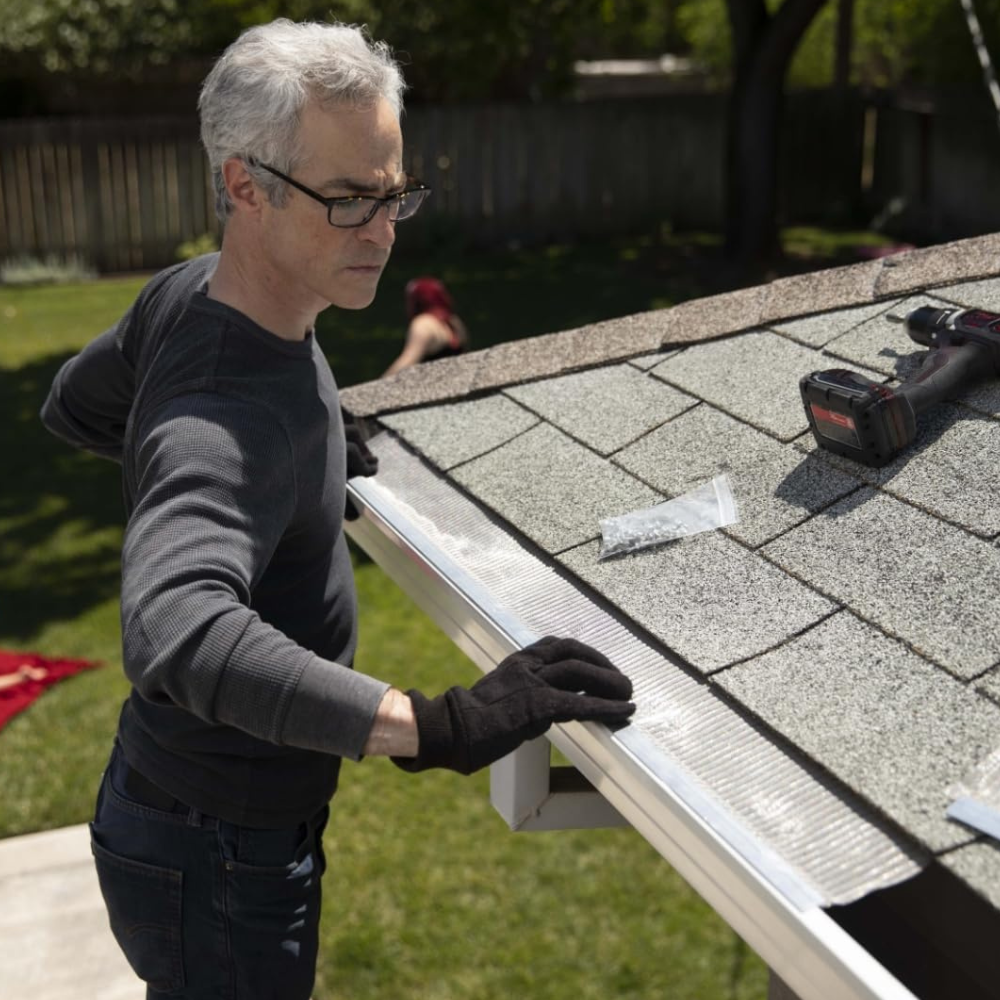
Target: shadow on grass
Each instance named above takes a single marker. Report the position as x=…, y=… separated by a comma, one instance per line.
x=61, y=513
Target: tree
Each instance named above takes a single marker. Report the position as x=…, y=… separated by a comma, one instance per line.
x=772, y=44
x=763, y=46
x=452, y=51
x=121, y=38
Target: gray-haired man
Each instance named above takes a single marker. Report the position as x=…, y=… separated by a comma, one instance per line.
x=238, y=603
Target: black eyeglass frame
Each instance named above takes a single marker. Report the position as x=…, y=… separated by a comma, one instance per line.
x=413, y=186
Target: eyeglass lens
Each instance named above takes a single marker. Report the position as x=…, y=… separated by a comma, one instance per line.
x=358, y=211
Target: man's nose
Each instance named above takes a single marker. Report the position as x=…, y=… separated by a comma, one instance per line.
x=379, y=229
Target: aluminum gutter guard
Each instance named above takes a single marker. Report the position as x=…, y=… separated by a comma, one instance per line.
x=775, y=906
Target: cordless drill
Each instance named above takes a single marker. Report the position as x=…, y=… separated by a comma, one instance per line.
x=871, y=422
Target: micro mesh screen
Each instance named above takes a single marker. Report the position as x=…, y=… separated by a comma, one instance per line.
x=827, y=837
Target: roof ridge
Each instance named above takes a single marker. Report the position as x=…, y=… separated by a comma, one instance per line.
x=693, y=321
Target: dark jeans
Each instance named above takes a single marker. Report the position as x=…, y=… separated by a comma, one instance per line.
x=203, y=908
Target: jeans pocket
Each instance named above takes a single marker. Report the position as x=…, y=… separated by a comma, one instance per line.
x=273, y=904
x=144, y=908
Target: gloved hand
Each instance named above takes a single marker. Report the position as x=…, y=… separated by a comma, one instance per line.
x=553, y=680
x=360, y=460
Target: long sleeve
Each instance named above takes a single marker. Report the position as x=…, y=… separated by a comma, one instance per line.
x=215, y=491
x=90, y=399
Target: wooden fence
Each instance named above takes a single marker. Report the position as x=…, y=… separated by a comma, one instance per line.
x=121, y=194
x=936, y=172
x=124, y=193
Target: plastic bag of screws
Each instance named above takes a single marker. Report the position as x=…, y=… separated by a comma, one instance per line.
x=710, y=506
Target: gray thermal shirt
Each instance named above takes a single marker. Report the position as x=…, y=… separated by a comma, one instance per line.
x=239, y=614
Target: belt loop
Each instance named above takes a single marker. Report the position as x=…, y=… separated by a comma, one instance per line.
x=194, y=817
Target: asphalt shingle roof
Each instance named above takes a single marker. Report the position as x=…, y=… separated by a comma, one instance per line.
x=709, y=599
x=456, y=432
x=572, y=403
x=907, y=572
x=854, y=611
x=774, y=487
x=754, y=377
x=553, y=488
x=873, y=712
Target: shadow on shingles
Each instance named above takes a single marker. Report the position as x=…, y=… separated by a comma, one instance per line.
x=930, y=427
x=906, y=364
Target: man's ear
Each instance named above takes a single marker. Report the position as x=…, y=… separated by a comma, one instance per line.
x=243, y=193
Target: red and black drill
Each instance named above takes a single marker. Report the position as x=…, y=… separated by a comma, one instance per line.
x=872, y=422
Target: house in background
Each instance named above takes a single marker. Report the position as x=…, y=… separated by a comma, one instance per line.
x=813, y=681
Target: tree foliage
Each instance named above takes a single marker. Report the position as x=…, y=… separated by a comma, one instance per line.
x=475, y=49
x=896, y=42
x=455, y=50
x=102, y=37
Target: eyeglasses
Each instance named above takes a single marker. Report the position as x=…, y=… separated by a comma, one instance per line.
x=357, y=210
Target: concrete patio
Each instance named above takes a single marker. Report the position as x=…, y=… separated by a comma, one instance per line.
x=54, y=938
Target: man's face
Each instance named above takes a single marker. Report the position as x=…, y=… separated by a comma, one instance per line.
x=345, y=152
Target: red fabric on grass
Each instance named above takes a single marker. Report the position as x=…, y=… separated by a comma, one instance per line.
x=20, y=695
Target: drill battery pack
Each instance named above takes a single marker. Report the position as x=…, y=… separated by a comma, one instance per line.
x=853, y=416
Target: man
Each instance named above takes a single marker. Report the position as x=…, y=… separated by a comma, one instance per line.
x=238, y=604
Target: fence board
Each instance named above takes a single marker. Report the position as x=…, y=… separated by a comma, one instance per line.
x=124, y=193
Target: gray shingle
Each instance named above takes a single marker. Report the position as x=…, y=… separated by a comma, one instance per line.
x=978, y=865
x=954, y=472
x=884, y=346
x=948, y=263
x=973, y=294
x=706, y=597
x=432, y=382
x=605, y=408
x=820, y=329
x=989, y=685
x=522, y=360
x=775, y=486
x=754, y=376
x=452, y=433
x=551, y=488
x=615, y=339
x=983, y=396
x=716, y=316
x=905, y=571
x=893, y=727
x=648, y=361
x=821, y=291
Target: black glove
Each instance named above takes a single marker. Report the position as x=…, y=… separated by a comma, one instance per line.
x=553, y=680
x=360, y=461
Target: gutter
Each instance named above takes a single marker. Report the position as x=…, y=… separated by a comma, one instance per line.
x=777, y=912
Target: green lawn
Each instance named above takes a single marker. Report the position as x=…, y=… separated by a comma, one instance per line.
x=428, y=894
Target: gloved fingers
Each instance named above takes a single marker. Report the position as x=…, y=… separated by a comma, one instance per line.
x=578, y=675
x=551, y=649
x=353, y=435
x=543, y=642
x=361, y=464
x=360, y=459
x=586, y=708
